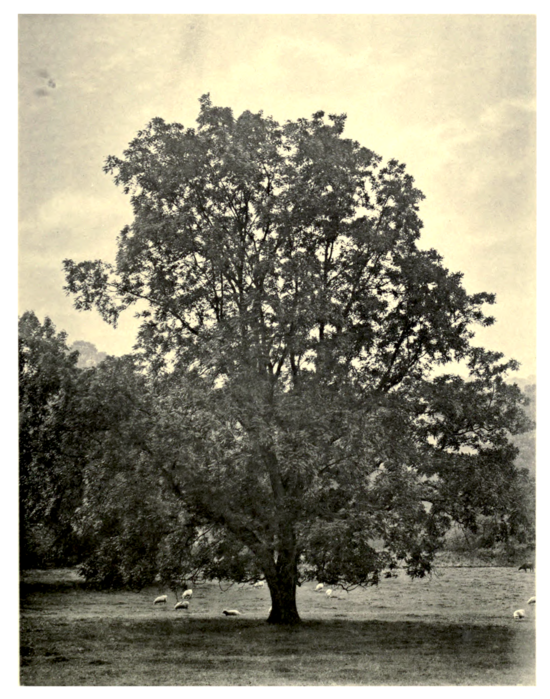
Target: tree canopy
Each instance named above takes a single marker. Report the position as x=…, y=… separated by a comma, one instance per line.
x=50, y=451
x=292, y=325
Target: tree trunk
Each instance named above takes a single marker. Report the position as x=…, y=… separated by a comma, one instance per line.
x=283, y=601
x=282, y=579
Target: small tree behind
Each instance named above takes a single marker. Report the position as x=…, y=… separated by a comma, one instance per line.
x=50, y=453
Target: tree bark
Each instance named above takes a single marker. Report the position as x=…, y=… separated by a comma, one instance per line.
x=282, y=579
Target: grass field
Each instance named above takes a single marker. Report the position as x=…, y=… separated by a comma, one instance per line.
x=453, y=629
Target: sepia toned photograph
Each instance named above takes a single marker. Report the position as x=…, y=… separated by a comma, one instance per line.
x=277, y=350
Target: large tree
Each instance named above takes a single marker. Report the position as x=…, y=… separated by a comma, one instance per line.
x=293, y=324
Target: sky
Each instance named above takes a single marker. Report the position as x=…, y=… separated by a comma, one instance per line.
x=452, y=96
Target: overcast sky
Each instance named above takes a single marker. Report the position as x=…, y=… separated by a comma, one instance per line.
x=452, y=96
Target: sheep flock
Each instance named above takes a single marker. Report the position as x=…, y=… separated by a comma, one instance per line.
x=183, y=604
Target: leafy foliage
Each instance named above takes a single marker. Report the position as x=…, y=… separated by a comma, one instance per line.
x=49, y=448
x=291, y=325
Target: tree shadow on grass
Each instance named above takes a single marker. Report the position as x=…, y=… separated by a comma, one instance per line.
x=322, y=652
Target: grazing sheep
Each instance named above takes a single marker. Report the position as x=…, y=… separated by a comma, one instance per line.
x=187, y=594
x=231, y=612
x=328, y=593
x=531, y=600
x=182, y=605
x=519, y=614
x=260, y=583
x=527, y=566
x=319, y=587
x=163, y=599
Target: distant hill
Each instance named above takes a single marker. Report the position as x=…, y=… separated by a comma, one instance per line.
x=527, y=442
x=88, y=354
x=523, y=382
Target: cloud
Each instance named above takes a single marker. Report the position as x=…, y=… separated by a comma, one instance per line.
x=304, y=68
x=484, y=163
x=79, y=225
x=74, y=223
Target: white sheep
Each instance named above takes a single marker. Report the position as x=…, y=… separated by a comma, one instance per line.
x=328, y=593
x=519, y=614
x=231, y=612
x=163, y=599
x=319, y=587
x=260, y=583
x=187, y=594
x=531, y=600
x=182, y=605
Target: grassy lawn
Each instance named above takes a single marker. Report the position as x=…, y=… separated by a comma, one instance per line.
x=73, y=636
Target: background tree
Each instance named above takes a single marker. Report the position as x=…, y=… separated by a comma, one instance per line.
x=505, y=532
x=121, y=517
x=51, y=456
x=293, y=324
x=88, y=355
